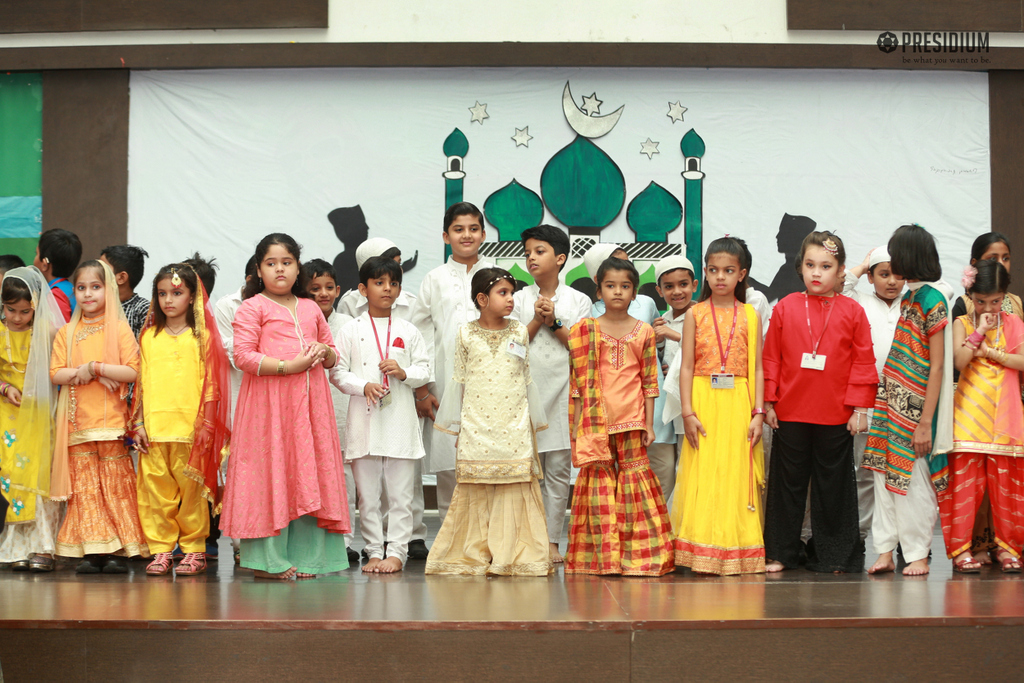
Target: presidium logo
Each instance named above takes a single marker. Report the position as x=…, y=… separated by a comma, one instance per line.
x=947, y=42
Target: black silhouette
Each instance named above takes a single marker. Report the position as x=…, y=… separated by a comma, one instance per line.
x=351, y=228
x=792, y=231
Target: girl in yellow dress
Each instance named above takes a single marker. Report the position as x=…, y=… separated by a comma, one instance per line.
x=716, y=508
x=179, y=429
x=31, y=318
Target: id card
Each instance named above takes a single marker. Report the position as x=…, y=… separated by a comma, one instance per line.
x=812, y=362
x=516, y=349
x=385, y=400
x=723, y=380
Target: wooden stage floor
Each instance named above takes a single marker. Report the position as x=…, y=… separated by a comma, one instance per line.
x=225, y=625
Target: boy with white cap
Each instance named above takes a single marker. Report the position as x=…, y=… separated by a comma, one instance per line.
x=353, y=303
x=882, y=306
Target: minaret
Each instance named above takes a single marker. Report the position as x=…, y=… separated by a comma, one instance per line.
x=692, y=147
x=456, y=146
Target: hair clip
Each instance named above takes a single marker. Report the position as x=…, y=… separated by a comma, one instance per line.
x=970, y=273
x=830, y=246
x=175, y=279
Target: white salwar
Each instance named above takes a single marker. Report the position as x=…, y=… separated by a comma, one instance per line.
x=549, y=368
x=444, y=304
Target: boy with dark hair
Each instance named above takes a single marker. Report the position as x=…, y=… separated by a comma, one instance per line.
x=57, y=256
x=10, y=262
x=445, y=302
x=549, y=309
x=129, y=265
x=382, y=360
x=205, y=269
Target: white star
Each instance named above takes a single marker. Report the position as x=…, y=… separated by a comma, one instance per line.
x=479, y=112
x=591, y=104
x=522, y=137
x=649, y=148
x=675, y=111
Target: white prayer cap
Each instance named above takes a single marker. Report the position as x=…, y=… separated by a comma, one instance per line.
x=597, y=255
x=878, y=255
x=375, y=246
x=671, y=263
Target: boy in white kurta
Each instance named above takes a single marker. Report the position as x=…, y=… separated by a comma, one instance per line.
x=549, y=309
x=444, y=304
x=382, y=360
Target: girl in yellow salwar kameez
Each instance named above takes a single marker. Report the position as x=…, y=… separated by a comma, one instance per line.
x=716, y=509
x=179, y=429
x=31, y=318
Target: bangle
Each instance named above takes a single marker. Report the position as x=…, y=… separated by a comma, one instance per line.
x=280, y=367
x=424, y=398
x=975, y=339
x=97, y=368
x=690, y=415
x=758, y=411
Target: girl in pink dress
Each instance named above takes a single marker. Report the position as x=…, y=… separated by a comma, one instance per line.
x=285, y=492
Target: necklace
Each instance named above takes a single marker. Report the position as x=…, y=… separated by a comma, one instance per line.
x=175, y=333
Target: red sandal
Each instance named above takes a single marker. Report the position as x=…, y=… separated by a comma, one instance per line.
x=160, y=565
x=191, y=564
x=1009, y=564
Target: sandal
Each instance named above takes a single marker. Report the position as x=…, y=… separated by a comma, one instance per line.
x=40, y=563
x=160, y=565
x=968, y=565
x=1010, y=564
x=192, y=564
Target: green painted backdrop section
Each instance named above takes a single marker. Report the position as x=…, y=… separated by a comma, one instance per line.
x=25, y=247
x=21, y=134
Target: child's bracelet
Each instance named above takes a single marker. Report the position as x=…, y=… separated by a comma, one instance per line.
x=975, y=339
x=690, y=415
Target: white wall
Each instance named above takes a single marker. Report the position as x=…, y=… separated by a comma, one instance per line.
x=707, y=21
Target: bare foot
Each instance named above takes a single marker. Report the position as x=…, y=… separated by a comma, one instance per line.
x=389, y=566
x=916, y=568
x=279, y=576
x=371, y=566
x=304, y=575
x=773, y=567
x=983, y=557
x=883, y=564
x=554, y=555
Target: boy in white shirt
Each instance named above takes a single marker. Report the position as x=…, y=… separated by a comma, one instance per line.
x=324, y=289
x=445, y=302
x=882, y=306
x=383, y=359
x=549, y=308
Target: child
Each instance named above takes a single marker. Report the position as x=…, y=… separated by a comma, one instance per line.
x=10, y=262
x=181, y=424
x=57, y=256
x=95, y=357
x=819, y=379
x=285, y=491
x=911, y=429
x=384, y=437
x=496, y=521
x=549, y=309
x=444, y=304
x=716, y=509
x=676, y=284
x=31, y=319
x=129, y=265
x=352, y=302
x=988, y=434
x=882, y=307
x=619, y=523
x=206, y=269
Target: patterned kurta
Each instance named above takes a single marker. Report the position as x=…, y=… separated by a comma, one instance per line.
x=900, y=399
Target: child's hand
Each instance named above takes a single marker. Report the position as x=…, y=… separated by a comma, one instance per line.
x=391, y=368
x=373, y=393
x=857, y=423
x=141, y=440
x=544, y=311
x=771, y=419
x=922, y=440
x=204, y=437
x=112, y=384
x=13, y=395
x=538, y=309
x=693, y=428
x=648, y=436
x=756, y=429
x=428, y=406
x=981, y=351
x=83, y=376
x=986, y=322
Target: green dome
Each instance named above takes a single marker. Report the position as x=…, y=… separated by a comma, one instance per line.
x=691, y=145
x=513, y=209
x=456, y=144
x=653, y=214
x=582, y=186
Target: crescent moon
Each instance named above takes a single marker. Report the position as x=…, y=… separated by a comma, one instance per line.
x=587, y=126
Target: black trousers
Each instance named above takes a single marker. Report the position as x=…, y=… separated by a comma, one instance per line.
x=822, y=455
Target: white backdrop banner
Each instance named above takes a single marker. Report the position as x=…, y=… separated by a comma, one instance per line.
x=217, y=159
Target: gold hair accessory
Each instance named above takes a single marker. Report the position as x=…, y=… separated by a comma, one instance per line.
x=175, y=279
x=831, y=247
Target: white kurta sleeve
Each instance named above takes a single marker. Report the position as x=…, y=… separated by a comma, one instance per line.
x=533, y=399
x=341, y=374
x=419, y=370
x=673, y=403
x=449, y=413
x=420, y=316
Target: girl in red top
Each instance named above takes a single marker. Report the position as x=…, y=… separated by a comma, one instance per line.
x=819, y=383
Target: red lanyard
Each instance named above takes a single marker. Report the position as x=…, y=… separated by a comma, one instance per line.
x=724, y=355
x=387, y=348
x=828, y=316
